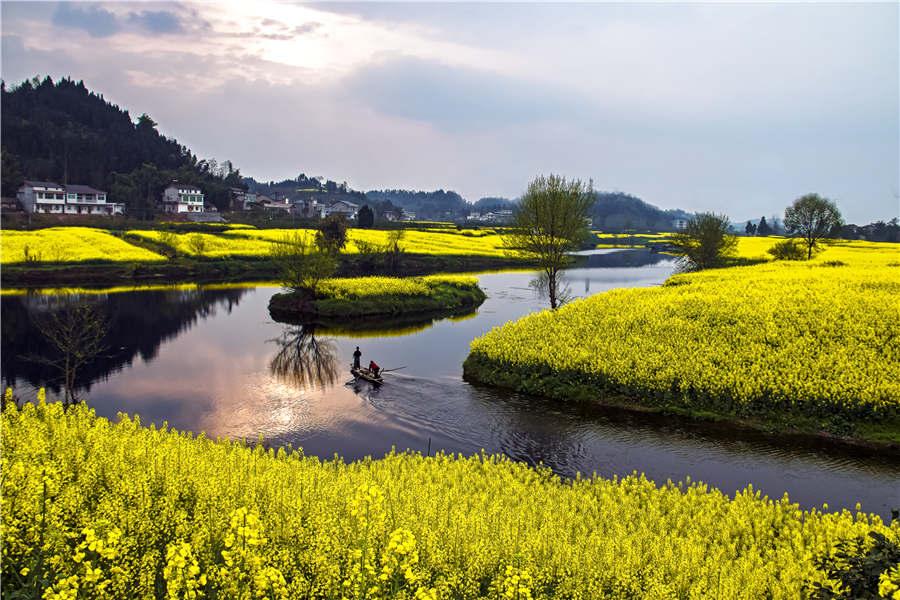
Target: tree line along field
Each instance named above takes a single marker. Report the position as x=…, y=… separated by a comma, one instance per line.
x=817, y=340
x=96, y=509
x=84, y=244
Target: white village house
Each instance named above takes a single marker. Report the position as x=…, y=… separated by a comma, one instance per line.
x=342, y=207
x=182, y=198
x=679, y=224
x=52, y=198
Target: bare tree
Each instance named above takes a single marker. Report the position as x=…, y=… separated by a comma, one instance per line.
x=812, y=218
x=302, y=265
x=76, y=330
x=551, y=221
x=169, y=240
x=393, y=251
x=197, y=244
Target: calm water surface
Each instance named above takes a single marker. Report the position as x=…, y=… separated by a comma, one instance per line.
x=213, y=360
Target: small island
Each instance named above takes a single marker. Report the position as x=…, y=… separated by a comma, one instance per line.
x=359, y=297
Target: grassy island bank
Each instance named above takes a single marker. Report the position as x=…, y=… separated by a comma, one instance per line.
x=121, y=510
x=380, y=296
x=805, y=346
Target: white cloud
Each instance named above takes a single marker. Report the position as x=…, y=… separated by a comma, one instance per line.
x=699, y=106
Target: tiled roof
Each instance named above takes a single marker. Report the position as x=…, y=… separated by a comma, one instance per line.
x=184, y=186
x=43, y=184
x=82, y=189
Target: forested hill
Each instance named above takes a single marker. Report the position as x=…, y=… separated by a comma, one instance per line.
x=61, y=131
x=438, y=205
x=618, y=211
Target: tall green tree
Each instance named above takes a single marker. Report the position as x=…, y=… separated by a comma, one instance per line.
x=812, y=218
x=551, y=221
x=706, y=241
x=365, y=217
x=763, y=228
x=11, y=174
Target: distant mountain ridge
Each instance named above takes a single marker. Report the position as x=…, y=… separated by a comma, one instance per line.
x=618, y=211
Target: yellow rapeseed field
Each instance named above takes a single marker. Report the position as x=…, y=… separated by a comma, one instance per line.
x=360, y=287
x=414, y=241
x=818, y=338
x=70, y=244
x=214, y=245
x=100, y=510
x=76, y=244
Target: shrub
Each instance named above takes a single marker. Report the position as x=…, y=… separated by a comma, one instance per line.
x=787, y=250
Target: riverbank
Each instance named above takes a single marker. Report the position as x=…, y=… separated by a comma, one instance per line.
x=84, y=256
x=187, y=270
x=801, y=348
x=379, y=297
x=217, y=520
x=868, y=435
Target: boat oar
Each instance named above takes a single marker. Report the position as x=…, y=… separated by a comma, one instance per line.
x=394, y=369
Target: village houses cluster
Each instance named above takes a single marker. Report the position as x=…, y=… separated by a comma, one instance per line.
x=46, y=197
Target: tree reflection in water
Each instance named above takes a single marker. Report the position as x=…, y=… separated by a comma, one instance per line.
x=303, y=360
x=562, y=291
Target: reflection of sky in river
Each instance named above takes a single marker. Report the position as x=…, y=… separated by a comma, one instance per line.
x=215, y=376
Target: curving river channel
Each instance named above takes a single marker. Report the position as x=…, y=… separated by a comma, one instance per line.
x=212, y=360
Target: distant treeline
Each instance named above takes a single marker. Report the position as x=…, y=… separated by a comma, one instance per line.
x=879, y=231
x=613, y=211
x=287, y=188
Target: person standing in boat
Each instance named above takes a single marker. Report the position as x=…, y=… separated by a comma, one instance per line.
x=356, y=356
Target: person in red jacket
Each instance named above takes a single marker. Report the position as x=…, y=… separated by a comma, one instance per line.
x=374, y=368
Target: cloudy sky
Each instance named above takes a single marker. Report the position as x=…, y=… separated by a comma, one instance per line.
x=729, y=107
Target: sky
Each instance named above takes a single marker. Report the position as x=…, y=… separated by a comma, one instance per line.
x=729, y=107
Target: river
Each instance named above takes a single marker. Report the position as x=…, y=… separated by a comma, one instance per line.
x=211, y=359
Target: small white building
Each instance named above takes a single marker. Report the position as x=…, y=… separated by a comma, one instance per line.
x=47, y=197
x=342, y=207
x=679, y=224
x=42, y=197
x=182, y=198
x=390, y=215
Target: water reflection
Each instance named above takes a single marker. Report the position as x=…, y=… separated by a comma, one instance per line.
x=75, y=331
x=214, y=361
x=304, y=360
x=138, y=324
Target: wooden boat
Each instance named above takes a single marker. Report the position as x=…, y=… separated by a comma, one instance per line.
x=366, y=374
